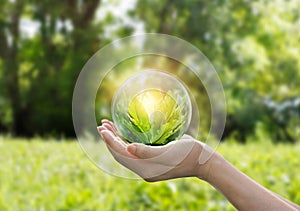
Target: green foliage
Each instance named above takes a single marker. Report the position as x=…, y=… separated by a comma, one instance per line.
x=40, y=67
x=138, y=116
x=254, y=46
x=52, y=175
x=153, y=117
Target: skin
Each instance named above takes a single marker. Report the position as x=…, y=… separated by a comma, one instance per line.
x=159, y=163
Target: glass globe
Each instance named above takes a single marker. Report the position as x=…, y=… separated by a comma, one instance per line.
x=151, y=107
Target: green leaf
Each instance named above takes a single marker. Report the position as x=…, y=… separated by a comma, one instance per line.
x=139, y=116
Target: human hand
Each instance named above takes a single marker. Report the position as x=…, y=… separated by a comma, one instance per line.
x=182, y=158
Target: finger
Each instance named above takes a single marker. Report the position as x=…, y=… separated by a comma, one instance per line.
x=112, y=129
x=143, y=151
x=105, y=127
x=109, y=122
x=117, y=147
x=114, y=142
x=100, y=128
x=109, y=127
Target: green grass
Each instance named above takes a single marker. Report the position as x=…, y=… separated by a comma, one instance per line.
x=51, y=175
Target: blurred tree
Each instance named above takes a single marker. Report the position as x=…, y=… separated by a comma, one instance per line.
x=9, y=52
x=254, y=46
x=40, y=72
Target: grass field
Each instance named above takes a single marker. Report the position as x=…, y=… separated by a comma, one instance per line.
x=52, y=175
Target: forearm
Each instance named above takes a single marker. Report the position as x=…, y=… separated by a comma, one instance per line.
x=289, y=202
x=243, y=192
x=181, y=159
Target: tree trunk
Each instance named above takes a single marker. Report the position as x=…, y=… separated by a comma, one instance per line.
x=11, y=68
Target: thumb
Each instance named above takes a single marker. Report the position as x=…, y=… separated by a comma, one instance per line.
x=143, y=151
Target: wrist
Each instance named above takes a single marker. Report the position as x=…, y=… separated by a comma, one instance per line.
x=205, y=171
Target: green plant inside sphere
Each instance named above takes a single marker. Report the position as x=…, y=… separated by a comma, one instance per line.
x=151, y=107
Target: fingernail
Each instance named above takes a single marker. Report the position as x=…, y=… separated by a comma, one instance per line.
x=100, y=128
x=131, y=148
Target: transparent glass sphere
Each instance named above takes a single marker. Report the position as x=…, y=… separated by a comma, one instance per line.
x=151, y=107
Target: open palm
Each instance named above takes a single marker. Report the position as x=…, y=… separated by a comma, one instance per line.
x=154, y=163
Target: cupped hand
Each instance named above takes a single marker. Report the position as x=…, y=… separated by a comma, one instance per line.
x=182, y=158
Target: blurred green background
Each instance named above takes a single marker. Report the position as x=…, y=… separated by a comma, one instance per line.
x=254, y=46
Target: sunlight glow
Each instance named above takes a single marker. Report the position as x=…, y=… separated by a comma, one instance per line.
x=151, y=99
